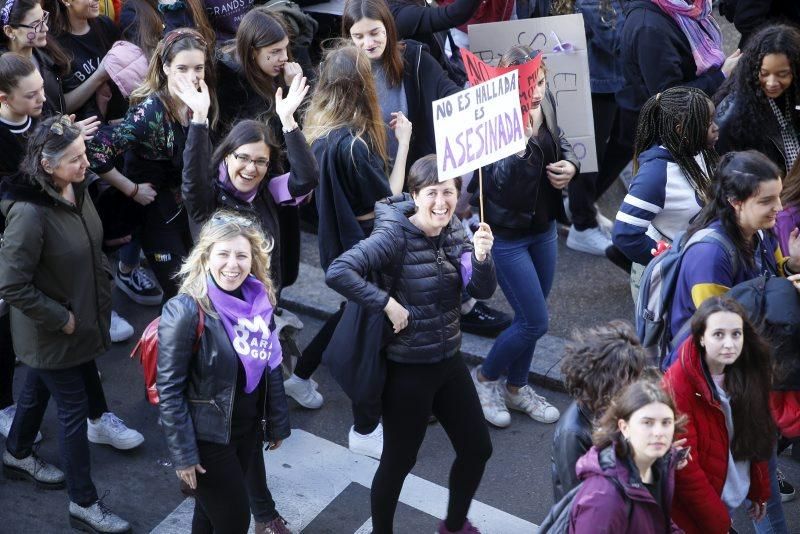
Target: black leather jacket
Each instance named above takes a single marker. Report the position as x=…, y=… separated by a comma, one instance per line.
x=197, y=391
x=766, y=138
x=510, y=193
x=423, y=277
x=571, y=440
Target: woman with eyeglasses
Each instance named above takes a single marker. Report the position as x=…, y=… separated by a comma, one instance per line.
x=56, y=279
x=152, y=137
x=219, y=402
x=25, y=31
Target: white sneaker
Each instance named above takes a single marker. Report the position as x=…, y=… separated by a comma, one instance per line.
x=526, y=400
x=492, y=403
x=120, y=329
x=605, y=224
x=590, y=241
x=367, y=444
x=303, y=391
x=110, y=430
x=7, y=417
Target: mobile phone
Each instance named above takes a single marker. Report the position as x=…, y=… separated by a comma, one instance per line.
x=683, y=453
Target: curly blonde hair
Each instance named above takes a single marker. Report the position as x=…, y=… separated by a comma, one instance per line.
x=223, y=226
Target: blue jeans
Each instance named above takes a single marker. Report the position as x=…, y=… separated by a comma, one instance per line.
x=525, y=271
x=68, y=389
x=774, y=522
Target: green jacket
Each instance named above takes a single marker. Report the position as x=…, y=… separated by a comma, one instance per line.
x=51, y=263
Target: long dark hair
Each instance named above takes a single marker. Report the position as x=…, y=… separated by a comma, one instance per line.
x=739, y=176
x=146, y=27
x=355, y=10
x=49, y=143
x=748, y=382
x=678, y=118
x=259, y=28
x=599, y=361
x=751, y=102
x=56, y=53
x=244, y=133
x=628, y=400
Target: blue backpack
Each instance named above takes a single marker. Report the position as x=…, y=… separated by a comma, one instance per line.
x=657, y=290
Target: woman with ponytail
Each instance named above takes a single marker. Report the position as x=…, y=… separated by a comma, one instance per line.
x=674, y=160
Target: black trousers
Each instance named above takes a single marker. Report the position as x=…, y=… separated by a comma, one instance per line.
x=262, y=505
x=221, y=502
x=365, y=416
x=166, y=239
x=7, y=361
x=614, y=132
x=412, y=393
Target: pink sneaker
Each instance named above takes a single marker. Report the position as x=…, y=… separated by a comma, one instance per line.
x=467, y=528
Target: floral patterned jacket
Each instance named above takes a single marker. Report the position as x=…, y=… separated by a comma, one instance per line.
x=151, y=141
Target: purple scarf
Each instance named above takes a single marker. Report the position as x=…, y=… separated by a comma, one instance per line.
x=228, y=186
x=700, y=28
x=247, y=325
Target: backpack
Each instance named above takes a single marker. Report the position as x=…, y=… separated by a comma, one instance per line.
x=657, y=290
x=146, y=350
x=557, y=520
x=773, y=306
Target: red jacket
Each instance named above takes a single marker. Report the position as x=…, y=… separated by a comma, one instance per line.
x=697, y=506
x=785, y=407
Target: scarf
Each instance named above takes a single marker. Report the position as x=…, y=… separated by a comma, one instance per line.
x=247, y=323
x=790, y=143
x=700, y=28
x=228, y=186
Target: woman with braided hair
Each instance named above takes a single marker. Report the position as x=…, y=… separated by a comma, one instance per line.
x=761, y=91
x=674, y=160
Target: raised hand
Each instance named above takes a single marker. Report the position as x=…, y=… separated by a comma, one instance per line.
x=291, y=71
x=196, y=98
x=285, y=107
x=482, y=241
x=402, y=127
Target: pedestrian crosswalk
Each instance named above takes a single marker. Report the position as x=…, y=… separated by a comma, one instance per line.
x=313, y=478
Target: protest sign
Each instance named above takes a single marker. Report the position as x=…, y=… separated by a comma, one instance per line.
x=567, y=69
x=478, y=126
x=479, y=72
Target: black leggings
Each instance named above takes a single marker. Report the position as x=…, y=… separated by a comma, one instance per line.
x=412, y=393
x=221, y=503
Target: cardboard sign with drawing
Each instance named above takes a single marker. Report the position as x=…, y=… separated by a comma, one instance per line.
x=562, y=40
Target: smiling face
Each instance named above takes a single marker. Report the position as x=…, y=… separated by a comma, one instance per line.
x=229, y=262
x=713, y=130
x=271, y=58
x=370, y=36
x=31, y=30
x=83, y=9
x=189, y=64
x=760, y=211
x=27, y=98
x=775, y=75
x=247, y=166
x=722, y=340
x=649, y=430
x=71, y=167
x=435, y=207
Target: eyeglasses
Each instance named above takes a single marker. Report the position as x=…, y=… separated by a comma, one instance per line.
x=37, y=25
x=225, y=217
x=244, y=159
x=60, y=124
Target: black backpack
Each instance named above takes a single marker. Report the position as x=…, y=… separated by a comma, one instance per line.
x=773, y=306
x=557, y=520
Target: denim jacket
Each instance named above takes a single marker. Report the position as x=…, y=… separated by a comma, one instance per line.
x=602, y=38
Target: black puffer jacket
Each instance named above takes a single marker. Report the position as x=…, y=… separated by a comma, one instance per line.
x=425, y=274
x=197, y=391
x=571, y=440
x=511, y=192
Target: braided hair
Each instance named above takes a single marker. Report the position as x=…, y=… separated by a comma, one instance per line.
x=678, y=118
x=752, y=104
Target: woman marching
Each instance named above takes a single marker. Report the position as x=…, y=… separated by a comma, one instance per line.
x=674, y=160
x=152, y=136
x=220, y=401
x=419, y=240
x=523, y=199
x=721, y=381
x=54, y=275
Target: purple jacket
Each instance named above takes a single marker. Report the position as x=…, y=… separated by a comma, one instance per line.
x=600, y=506
x=788, y=220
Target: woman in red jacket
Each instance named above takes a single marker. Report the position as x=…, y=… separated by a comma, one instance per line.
x=721, y=380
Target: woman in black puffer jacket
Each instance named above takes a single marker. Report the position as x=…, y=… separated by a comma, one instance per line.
x=431, y=262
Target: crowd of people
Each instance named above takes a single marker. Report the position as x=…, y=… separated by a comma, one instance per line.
x=185, y=140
